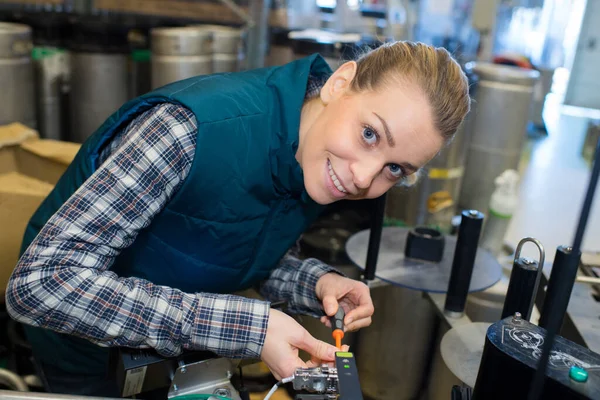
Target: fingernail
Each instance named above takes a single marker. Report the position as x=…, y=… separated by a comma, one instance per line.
x=349, y=321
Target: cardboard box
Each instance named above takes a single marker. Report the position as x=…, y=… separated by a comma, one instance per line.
x=29, y=169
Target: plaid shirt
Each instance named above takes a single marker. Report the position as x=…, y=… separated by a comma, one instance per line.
x=63, y=281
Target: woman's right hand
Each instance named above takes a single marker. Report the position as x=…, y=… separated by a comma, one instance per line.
x=284, y=338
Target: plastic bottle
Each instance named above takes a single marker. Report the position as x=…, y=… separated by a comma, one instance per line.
x=503, y=203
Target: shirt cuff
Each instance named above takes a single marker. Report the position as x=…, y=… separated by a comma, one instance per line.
x=230, y=326
x=306, y=279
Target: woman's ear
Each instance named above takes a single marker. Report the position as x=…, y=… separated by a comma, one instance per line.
x=339, y=83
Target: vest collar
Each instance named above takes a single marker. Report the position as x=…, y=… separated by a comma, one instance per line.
x=290, y=83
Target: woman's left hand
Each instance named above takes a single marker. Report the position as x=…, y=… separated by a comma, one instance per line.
x=353, y=296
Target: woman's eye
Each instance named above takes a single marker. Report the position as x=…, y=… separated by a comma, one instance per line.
x=369, y=136
x=396, y=170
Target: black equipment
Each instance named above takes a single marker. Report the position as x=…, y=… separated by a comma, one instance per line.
x=513, y=347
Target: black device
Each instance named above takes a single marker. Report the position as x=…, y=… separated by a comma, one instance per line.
x=464, y=260
x=513, y=347
x=145, y=371
x=348, y=382
x=525, y=279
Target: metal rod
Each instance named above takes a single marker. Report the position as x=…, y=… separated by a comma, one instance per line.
x=465, y=253
x=256, y=49
x=562, y=294
x=377, y=215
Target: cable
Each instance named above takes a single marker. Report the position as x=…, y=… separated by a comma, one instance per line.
x=554, y=319
x=277, y=385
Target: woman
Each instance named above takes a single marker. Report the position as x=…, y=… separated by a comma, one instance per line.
x=198, y=190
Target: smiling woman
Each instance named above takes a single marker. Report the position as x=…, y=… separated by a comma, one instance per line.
x=379, y=119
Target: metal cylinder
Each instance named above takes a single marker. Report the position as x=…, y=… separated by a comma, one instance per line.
x=501, y=113
x=169, y=69
x=99, y=86
x=181, y=41
x=225, y=63
x=519, y=296
x=464, y=260
x=16, y=75
x=560, y=285
x=180, y=53
x=394, y=349
x=226, y=40
x=51, y=65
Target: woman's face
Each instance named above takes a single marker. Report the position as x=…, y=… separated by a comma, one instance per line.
x=358, y=145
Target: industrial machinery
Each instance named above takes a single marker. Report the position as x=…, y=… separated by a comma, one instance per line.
x=146, y=374
x=519, y=360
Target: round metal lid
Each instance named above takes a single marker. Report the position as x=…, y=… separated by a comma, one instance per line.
x=504, y=73
x=394, y=268
x=182, y=41
x=462, y=348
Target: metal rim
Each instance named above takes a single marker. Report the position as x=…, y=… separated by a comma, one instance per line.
x=10, y=28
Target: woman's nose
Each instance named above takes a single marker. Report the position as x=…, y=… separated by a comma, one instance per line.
x=363, y=173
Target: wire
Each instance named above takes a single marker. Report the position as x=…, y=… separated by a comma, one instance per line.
x=277, y=385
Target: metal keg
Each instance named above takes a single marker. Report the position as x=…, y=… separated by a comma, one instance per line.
x=226, y=40
x=99, y=86
x=51, y=69
x=180, y=53
x=16, y=75
x=225, y=63
x=500, y=118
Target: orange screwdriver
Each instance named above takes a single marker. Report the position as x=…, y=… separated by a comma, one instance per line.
x=337, y=326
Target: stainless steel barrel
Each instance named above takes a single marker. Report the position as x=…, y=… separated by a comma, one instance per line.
x=500, y=118
x=226, y=40
x=99, y=86
x=16, y=75
x=50, y=71
x=180, y=53
x=225, y=63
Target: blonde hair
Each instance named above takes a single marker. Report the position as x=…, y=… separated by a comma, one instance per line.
x=433, y=69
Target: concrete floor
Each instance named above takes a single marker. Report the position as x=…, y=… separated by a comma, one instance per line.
x=554, y=181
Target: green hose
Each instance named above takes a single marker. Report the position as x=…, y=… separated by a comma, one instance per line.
x=199, y=397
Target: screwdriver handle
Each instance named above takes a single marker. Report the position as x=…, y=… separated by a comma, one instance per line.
x=337, y=326
x=337, y=321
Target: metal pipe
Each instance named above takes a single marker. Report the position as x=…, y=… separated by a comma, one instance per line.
x=524, y=282
x=555, y=305
x=377, y=215
x=258, y=34
x=464, y=261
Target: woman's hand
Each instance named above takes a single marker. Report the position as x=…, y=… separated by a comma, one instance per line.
x=285, y=337
x=354, y=297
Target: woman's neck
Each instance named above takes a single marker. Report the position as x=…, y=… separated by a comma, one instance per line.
x=309, y=114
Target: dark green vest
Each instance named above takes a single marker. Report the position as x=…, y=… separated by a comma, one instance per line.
x=241, y=208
